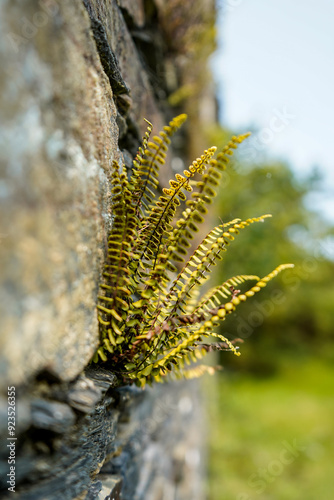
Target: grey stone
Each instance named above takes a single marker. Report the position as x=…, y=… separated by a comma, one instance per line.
x=58, y=139
x=84, y=395
x=111, y=488
x=135, y=9
x=70, y=103
x=57, y=417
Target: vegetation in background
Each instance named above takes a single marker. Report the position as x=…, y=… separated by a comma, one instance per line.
x=272, y=438
x=300, y=235
x=279, y=395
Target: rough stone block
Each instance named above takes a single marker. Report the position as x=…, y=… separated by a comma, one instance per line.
x=58, y=138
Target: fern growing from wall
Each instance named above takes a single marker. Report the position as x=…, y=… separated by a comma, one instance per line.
x=152, y=321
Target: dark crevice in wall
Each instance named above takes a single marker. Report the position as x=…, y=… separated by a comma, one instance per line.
x=110, y=65
x=129, y=135
x=152, y=50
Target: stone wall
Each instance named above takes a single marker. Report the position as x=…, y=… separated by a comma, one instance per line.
x=93, y=440
x=77, y=80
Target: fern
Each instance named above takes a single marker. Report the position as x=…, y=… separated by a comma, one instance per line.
x=152, y=323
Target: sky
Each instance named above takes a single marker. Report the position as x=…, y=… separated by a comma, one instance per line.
x=274, y=70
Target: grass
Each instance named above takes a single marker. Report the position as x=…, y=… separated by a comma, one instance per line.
x=273, y=438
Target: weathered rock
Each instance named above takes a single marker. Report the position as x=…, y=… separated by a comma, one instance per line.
x=84, y=395
x=58, y=138
x=134, y=9
x=135, y=442
x=125, y=55
x=77, y=80
x=51, y=416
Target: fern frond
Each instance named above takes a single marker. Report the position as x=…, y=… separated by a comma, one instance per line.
x=206, y=255
x=181, y=348
x=231, y=306
x=162, y=212
x=213, y=297
x=195, y=272
x=152, y=326
x=151, y=155
x=203, y=195
x=117, y=286
x=217, y=346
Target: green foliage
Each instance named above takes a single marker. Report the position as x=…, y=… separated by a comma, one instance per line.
x=151, y=324
x=272, y=329
x=251, y=421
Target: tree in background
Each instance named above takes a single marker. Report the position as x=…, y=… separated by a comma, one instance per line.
x=296, y=314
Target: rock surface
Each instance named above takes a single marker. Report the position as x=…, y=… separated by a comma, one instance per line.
x=58, y=139
x=127, y=444
x=77, y=79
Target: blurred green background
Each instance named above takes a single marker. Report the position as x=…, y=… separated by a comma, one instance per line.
x=271, y=410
